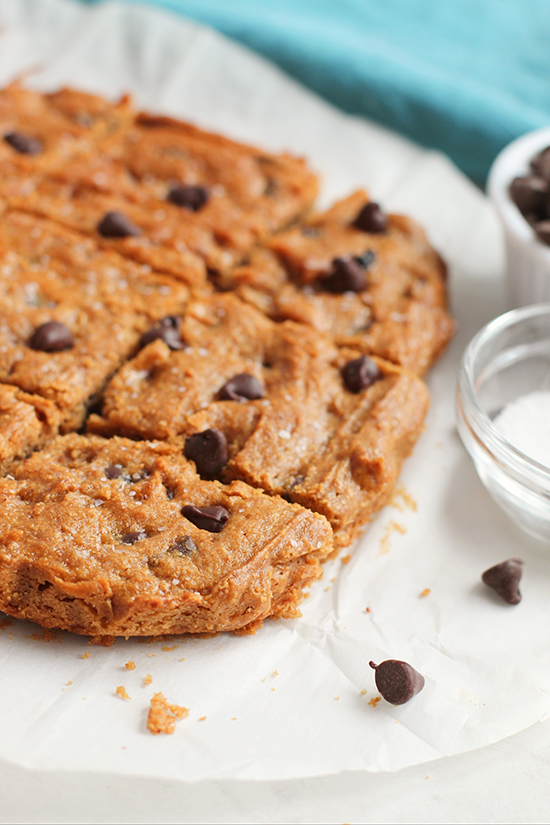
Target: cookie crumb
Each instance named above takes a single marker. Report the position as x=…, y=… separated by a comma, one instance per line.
x=275, y=672
x=121, y=691
x=130, y=665
x=86, y=655
x=336, y=698
x=163, y=716
x=148, y=679
x=367, y=609
x=374, y=701
x=346, y=559
x=202, y=718
x=363, y=692
x=168, y=647
x=392, y=527
x=425, y=592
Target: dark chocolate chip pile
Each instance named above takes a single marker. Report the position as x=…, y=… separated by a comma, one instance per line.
x=242, y=387
x=117, y=225
x=208, y=450
x=212, y=518
x=504, y=578
x=531, y=194
x=51, y=337
x=167, y=329
x=397, y=681
x=360, y=373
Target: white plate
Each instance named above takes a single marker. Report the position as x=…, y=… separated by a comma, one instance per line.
x=486, y=664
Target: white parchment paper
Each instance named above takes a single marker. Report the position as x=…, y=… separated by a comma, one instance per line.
x=295, y=699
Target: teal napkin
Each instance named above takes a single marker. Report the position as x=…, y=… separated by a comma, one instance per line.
x=462, y=76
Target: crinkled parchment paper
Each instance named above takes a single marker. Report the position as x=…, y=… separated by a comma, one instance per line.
x=295, y=699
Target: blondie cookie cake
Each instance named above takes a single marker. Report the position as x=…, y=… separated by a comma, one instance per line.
x=203, y=391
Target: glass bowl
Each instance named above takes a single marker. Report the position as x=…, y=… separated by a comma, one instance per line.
x=508, y=358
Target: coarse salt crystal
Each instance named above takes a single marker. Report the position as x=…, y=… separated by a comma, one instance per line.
x=283, y=434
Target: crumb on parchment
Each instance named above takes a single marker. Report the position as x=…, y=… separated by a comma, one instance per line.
x=130, y=665
x=374, y=701
x=163, y=716
x=122, y=692
x=425, y=592
x=86, y=655
x=148, y=679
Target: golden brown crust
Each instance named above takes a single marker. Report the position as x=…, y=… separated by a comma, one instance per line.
x=401, y=315
x=308, y=438
x=52, y=274
x=66, y=559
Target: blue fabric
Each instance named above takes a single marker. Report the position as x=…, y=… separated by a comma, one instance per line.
x=463, y=76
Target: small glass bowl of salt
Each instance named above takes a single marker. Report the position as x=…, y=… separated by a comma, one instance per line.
x=503, y=413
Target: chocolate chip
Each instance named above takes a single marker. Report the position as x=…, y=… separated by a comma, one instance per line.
x=371, y=219
x=167, y=329
x=190, y=197
x=529, y=193
x=117, y=225
x=347, y=275
x=504, y=578
x=397, y=681
x=360, y=373
x=184, y=546
x=113, y=470
x=131, y=538
x=366, y=259
x=51, y=337
x=542, y=228
x=540, y=164
x=24, y=144
x=212, y=519
x=242, y=387
x=208, y=450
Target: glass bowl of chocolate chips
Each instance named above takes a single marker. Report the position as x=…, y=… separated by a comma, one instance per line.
x=519, y=186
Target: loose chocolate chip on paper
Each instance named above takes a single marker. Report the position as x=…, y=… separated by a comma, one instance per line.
x=347, y=275
x=371, y=219
x=529, y=193
x=242, y=387
x=397, y=681
x=24, y=144
x=132, y=538
x=190, y=197
x=184, y=546
x=360, y=373
x=208, y=449
x=117, y=225
x=167, y=329
x=212, y=518
x=504, y=579
x=51, y=337
x=113, y=471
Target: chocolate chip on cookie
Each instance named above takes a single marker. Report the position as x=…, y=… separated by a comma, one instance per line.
x=184, y=546
x=117, y=225
x=24, y=144
x=371, y=219
x=360, y=373
x=347, y=275
x=132, y=538
x=212, y=518
x=208, y=449
x=167, y=329
x=51, y=337
x=190, y=197
x=242, y=387
x=113, y=471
